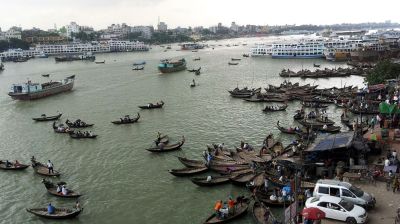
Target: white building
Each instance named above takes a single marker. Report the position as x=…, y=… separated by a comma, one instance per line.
x=162, y=26
x=146, y=31
x=13, y=32
x=213, y=29
x=72, y=28
x=234, y=27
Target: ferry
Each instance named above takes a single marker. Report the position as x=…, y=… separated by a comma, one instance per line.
x=33, y=91
x=86, y=56
x=302, y=49
x=167, y=66
x=192, y=46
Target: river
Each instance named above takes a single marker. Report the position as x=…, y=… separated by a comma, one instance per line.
x=120, y=180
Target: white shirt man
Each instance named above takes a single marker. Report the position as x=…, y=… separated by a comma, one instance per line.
x=64, y=190
x=387, y=162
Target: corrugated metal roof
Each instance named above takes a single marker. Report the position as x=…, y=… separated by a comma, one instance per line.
x=334, y=141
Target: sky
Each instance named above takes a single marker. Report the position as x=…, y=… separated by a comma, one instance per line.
x=101, y=13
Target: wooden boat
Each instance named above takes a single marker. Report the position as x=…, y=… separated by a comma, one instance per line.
x=316, y=65
x=298, y=116
x=64, y=131
x=197, y=72
x=264, y=197
x=190, y=162
x=153, y=106
x=187, y=171
x=100, y=62
x=242, y=179
x=80, y=125
x=215, y=180
x=291, y=131
x=138, y=68
x=12, y=166
x=233, y=63
x=236, y=59
x=275, y=108
x=194, y=70
x=46, y=75
x=78, y=136
x=127, y=120
x=71, y=77
x=43, y=170
x=240, y=209
x=325, y=121
x=196, y=59
x=228, y=169
x=52, y=189
x=59, y=213
x=259, y=210
x=168, y=148
x=47, y=118
x=309, y=123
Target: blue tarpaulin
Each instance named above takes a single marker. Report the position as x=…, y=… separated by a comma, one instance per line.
x=334, y=141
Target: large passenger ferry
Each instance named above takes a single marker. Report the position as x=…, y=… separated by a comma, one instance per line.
x=302, y=49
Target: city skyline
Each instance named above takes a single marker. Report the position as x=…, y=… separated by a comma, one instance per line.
x=101, y=13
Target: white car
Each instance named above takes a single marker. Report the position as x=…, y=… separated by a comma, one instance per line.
x=337, y=208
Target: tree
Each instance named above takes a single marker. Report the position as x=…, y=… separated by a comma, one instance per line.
x=383, y=70
x=13, y=43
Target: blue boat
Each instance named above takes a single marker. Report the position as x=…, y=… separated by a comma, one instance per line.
x=167, y=66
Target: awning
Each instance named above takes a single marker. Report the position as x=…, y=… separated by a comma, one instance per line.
x=334, y=141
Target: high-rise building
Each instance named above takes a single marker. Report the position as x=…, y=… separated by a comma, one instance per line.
x=162, y=26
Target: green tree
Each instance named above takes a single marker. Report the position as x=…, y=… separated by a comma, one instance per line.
x=13, y=43
x=383, y=70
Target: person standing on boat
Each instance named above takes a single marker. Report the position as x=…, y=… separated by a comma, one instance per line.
x=50, y=167
x=77, y=205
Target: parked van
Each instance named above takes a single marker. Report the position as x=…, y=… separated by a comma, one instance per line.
x=344, y=190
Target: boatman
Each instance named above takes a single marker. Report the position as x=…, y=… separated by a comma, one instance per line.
x=217, y=207
x=50, y=167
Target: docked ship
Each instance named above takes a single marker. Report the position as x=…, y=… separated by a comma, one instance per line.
x=167, y=66
x=192, y=46
x=302, y=49
x=86, y=56
x=33, y=91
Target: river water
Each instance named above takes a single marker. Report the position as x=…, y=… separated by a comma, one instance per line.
x=120, y=180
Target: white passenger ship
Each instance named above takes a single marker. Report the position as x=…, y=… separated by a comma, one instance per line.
x=302, y=49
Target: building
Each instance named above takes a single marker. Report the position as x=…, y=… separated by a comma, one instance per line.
x=72, y=28
x=162, y=26
x=146, y=31
x=213, y=29
x=234, y=27
x=13, y=33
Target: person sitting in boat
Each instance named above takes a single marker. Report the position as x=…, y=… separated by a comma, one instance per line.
x=8, y=164
x=17, y=164
x=90, y=133
x=246, y=146
x=217, y=207
x=50, y=209
x=64, y=190
x=209, y=178
x=43, y=115
x=273, y=197
x=77, y=205
x=59, y=188
x=231, y=205
x=161, y=146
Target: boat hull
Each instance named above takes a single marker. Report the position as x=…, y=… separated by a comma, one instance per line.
x=297, y=56
x=42, y=94
x=175, y=69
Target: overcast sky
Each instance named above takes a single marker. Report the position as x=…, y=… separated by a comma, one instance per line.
x=101, y=13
